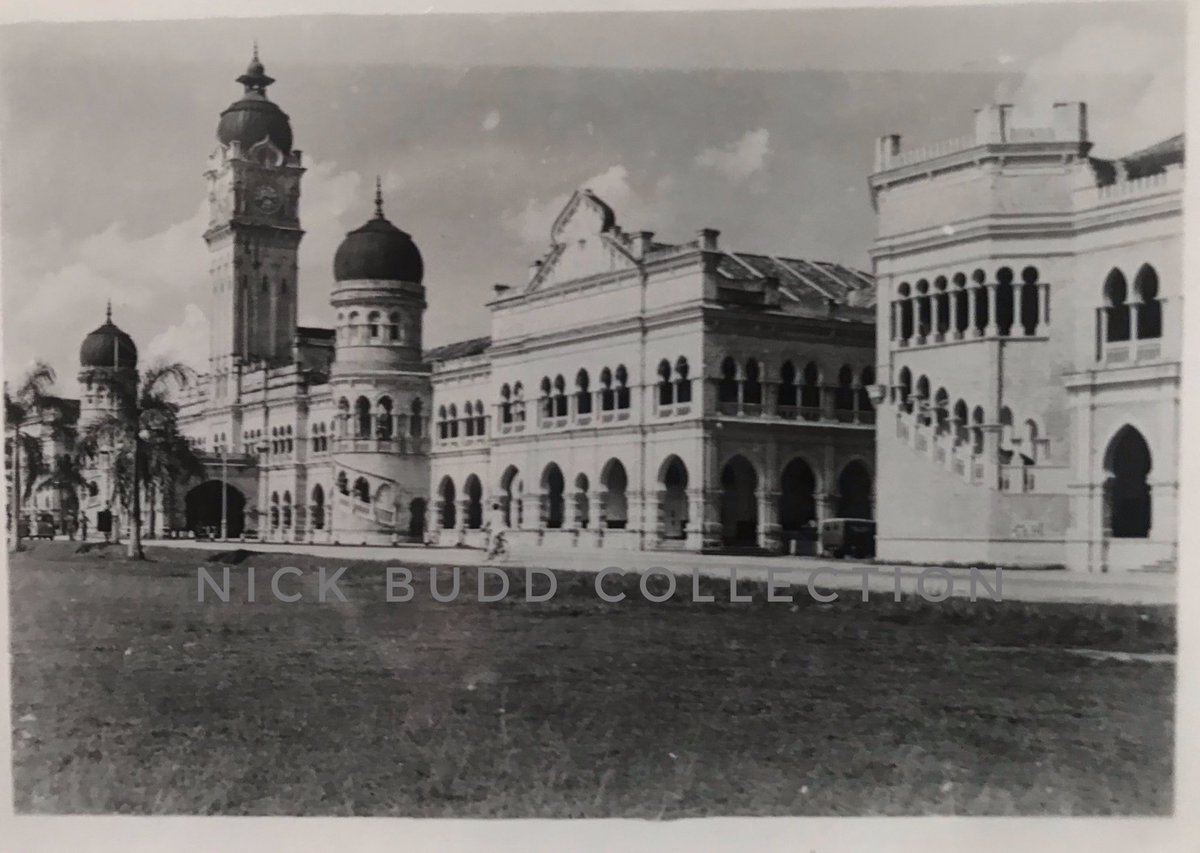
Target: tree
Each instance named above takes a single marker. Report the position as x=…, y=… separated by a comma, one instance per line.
x=169, y=459
x=141, y=432
x=65, y=478
x=30, y=399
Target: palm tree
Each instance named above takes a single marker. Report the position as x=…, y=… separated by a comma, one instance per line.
x=65, y=478
x=31, y=398
x=139, y=431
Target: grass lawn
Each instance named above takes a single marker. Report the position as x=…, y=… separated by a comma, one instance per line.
x=130, y=696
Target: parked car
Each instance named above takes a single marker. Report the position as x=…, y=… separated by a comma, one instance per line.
x=45, y=527
x=848, y=537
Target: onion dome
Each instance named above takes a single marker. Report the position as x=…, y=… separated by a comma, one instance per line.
x=108, y=346
x=378, y=250
x=255, y=118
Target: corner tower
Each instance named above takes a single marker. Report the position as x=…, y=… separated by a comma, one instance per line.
x=253, y=233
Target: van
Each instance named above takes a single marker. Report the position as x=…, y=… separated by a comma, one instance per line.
x=848, y=537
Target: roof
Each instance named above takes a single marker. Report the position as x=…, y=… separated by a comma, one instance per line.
x=1145, y=161
x=458, y=349
x=805, y=283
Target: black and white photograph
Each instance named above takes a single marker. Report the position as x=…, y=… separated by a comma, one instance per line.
x=563, y=415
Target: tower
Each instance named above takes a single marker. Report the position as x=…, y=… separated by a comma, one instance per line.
x=253, y=234
x=379, y=382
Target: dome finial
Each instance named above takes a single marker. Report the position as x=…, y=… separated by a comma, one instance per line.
x=108, y=312
x=255, y=79
x=378, y=198
x=255, y=57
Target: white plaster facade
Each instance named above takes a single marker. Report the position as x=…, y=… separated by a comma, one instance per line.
x=1029, y=317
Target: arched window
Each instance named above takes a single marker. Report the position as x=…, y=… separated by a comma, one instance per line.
x=506, y=412
x=906, y=311
x=787, y=386
x=607, y=397
x=480, y=419
x=1029, y=300
x=583, y=397
x=843, y=395
x=519, y=402
x=977, y=430
x=287, y=510
x=373, y=325
x=352, y=327
x=362, y=417
x=905, y=389
x=274, y=510
x=468, y=419
x=981, y=301
x=924, y=324
x=452, y=420
x=1004, y=301
x=443, y=423
x=941, y=319
x=560, y=397
x=666, y=391
x=394, y=325
x=414, y=427
x=317, y=510
x=960, y=422
x=683, y=385
x=962, y=305
x=727, y=389
x=810, y=392
x=622, y=377
x=1116, y=294
x=1149, y=317
x=383, y=425
x=362, y=489
x=941, y=411
x=343, y=483
x=921, y=399
x=752, y=387
x=547, y=398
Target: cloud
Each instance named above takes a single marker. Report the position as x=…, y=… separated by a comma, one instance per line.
x=1131, y=79
x=185, y=341
x=532, y=223
x=492, y=120
x=740, y=160
x=55, y=291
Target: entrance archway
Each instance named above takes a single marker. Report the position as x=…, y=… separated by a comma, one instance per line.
x=1128, y=462
x=446, y=504
x=854, y=491
x=797, y=500
x=739, y=502
x=473, y=489
x=510, y=497
x=614, y=504
x=202, y=509
x=673, y=503
x=553, y=486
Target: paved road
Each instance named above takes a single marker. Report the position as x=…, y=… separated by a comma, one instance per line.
x=1014, y=584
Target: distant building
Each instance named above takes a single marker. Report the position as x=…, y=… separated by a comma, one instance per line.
x=1029, y=325
x=637, y=394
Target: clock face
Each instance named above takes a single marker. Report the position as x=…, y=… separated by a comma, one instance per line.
x=266, y=198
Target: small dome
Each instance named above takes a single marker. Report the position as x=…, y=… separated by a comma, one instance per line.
x=378, y=250
x=254, y=118
x=108, y=346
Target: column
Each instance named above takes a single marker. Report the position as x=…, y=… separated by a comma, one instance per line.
x=896, y=328
x=635, y=510
x=769, y=529
x=991, y=329
x=460, y=518
x=973, y=295
x=696, y=519
x=1017, y=327
x=826, y=392
x=1043, y=307
x=941, y=316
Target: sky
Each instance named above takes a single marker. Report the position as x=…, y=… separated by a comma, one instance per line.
x=761, y=124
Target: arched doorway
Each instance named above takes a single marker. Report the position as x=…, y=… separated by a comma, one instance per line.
x=510, y=497
x=614, y=503
x=1128, y=462
x=581, y=502
x=202, y=508
x=739, y=502
x=854, y=491
x=317, y=510
x=416, y=518
x=797, y=501
x=673, y=503
x=553, y=487
x=473, y=489
x=446, y=504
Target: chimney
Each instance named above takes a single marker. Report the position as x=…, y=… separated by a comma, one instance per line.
x=641, y=243
x=1070, y=121
x=706, y=239
x=991, y=124
x=886, y=147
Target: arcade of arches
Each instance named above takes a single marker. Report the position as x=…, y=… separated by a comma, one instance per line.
x=747, y=510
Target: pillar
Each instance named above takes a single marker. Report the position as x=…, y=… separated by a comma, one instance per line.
x=973, y=296
x=991, y=329
x=1043, y=307
x=769, y=530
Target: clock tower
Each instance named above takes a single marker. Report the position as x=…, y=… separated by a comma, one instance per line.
x=253, y=234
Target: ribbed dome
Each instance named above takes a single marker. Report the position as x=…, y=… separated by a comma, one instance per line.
x=108, y=346
x=255, y=118
x=378, y=250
